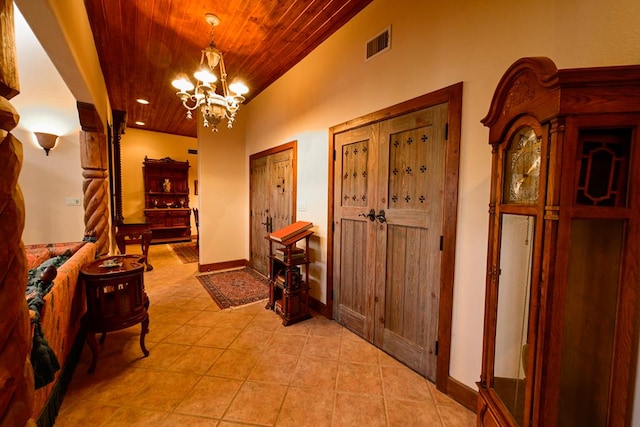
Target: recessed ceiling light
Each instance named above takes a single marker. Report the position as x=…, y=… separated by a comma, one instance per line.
x=142, y=101
x=140, y=123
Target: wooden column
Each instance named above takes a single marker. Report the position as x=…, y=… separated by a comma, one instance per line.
x=16, y=374
x=94, y=161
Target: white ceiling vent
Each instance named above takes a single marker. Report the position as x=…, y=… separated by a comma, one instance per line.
x=379, y=44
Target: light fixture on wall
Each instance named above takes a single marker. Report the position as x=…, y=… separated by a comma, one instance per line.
x=46, y=140
x=213, y=106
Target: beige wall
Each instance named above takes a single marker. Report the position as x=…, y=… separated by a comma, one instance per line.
x=224, y=186
x=47, y=181
x=435, y=44
x=135, y=144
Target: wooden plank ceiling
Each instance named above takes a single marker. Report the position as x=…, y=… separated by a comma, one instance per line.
x=143, y=44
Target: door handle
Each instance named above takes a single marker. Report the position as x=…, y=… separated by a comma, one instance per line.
x=268, y=224
x=371, y=215
x=381, y=216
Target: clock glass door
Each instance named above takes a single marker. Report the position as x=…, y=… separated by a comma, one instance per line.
x=514, y=290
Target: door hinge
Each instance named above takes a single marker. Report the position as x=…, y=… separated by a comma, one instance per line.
x=446, y=131
x=437, y=347
x=441, y=243
x=332, y=294
x=334, y=155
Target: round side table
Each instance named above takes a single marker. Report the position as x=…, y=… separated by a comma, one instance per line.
x=116, y=299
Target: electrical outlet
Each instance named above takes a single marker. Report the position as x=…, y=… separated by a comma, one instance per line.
x=302, y=205
x=72, y=201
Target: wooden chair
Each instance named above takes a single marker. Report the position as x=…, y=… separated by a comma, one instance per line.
x=197, y=221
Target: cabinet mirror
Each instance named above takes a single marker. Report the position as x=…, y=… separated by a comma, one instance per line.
x=514, y=290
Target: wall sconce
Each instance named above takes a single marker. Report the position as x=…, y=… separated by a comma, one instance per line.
x=46, y=140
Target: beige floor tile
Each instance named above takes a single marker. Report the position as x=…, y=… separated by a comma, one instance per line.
x=175, y=420
x=356, y=349
x=325, y=347
x=306, y=407
x=257, y=403
x=359, y=378
x=285, y=344
x=119, y=389
x=403, y=383
x=196, y=360
x=178, y=316
x=456, y=416
x=315, y=373
x=251, y=340
x=205, y=318
x=161, y=356
x=235, y=319
x=210, y=397
x=77, y=414
x=300, y=328
x=412, y=414
x=234, y=364
x=165, y=392
x=159, y=330
x=276, y=370
x=324, y=327
x=358, y=410
x=220, y=336
x=134, y=417
x=187, y=334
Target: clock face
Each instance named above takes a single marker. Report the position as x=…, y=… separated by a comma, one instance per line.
x=522, y=167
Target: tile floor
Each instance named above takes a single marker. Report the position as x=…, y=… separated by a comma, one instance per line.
x=242, y=367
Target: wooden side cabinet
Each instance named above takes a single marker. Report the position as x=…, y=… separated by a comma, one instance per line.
x=289, y=278
x=166, y=185
x=561, y=311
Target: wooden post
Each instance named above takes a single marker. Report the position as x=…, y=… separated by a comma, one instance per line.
x=16, y=373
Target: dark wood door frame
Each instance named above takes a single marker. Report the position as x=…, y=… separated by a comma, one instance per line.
x=453, y=96
x=293, y=146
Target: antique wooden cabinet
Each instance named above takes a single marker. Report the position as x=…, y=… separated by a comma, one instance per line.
x=166, y=201
x=561, y=318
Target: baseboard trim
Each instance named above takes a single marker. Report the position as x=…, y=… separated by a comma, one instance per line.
x=216, y=266
x=463, y=394
x=319, y=306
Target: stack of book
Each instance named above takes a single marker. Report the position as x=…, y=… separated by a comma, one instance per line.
x=288, y=279
x=296, y=253
x=290, y=230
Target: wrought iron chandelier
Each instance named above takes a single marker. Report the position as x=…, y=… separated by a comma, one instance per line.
x=213, y=106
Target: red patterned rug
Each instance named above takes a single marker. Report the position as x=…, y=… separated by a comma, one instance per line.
x=236, y=287
x=186, y=252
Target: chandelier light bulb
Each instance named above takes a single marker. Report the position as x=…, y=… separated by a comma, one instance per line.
x=213, y=106
x=205, y=76
x=183, y=83
x=238, y=87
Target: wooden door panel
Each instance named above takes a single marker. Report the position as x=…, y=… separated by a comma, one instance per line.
x=259, y=214
x=272, y=201
x=411, y=297
x=280, y=189
x=354, y=232
x=412, y=151
x=354, y=301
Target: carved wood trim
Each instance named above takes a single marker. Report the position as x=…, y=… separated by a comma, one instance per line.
x=9, y=85
x=16, y=378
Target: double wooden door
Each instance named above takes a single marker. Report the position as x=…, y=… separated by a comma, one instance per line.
x=389, y=182
x=272, y=199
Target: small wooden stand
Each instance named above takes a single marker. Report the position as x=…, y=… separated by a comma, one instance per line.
x=288, y=286
x=116, y=299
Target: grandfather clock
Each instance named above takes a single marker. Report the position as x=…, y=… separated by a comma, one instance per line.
x=563, y=266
